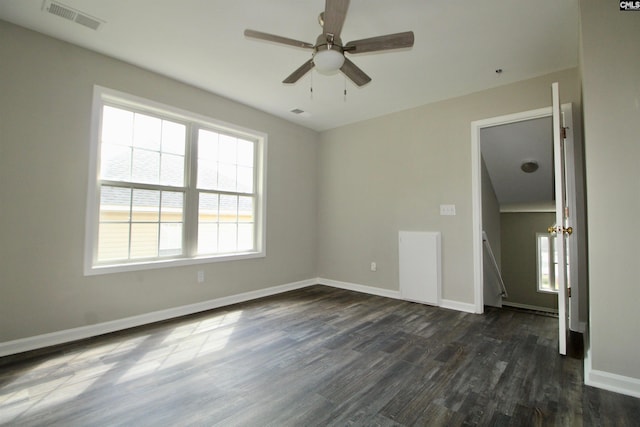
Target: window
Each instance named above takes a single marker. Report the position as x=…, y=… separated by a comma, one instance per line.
x=547, y=262
x=170, y=187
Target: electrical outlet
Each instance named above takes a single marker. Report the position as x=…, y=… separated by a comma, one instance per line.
x=374, y=266
x=200, y=276
x=447, y=209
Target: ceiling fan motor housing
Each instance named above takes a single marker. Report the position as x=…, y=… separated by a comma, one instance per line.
x=328, y=54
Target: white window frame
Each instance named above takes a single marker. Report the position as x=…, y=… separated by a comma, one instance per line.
x=102, y=96
x=551, y=262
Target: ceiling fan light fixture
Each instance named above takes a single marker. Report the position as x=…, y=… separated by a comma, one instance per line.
x=328, y=61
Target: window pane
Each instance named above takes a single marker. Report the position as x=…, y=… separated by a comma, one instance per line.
x=173, y=137
x=245, y=179
x=543, y=262
x=207, y=145
x=544, y=253
x=227, y=239
x=245, y=153
x=208, y=208
x=146, y=132
x=226, y=177
x=113, y=242
x=146, y=206
x=170, y=239
x=228, y=149
x=207, y=238
x=115, y=203
x=117, y=126
x=546, y=266
x=245, y=209
x=172, y=206
x=115, y=162
x=245, y=237
x=207, y=174
x=144, y=240
x=146, y=166
x=228, y=208
x=172, y=170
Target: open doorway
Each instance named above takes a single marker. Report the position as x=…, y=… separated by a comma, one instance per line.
x=519, y=207
x=523, y=201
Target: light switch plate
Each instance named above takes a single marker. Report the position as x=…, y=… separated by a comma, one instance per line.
x=447, y=209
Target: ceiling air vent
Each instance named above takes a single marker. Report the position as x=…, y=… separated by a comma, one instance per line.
x=66, y=12
x=301, y=113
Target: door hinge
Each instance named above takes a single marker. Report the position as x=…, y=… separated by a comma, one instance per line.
x=569, y=292
x=563, y=133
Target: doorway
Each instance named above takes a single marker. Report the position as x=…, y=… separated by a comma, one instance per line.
x=478, y=169
x=518, y=208
x=577, y=249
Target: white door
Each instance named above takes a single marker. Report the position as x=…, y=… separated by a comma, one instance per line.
x=562, y=229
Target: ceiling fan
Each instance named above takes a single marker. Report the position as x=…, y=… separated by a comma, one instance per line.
x=329, y=52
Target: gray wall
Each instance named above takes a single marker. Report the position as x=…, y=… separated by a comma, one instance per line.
x=519, y=257
x=45, y=107
x=491, y=226
x=491, y=213
x=391, y=173
x=611, y=89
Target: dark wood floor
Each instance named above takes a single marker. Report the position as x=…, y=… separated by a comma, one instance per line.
x=316, y=356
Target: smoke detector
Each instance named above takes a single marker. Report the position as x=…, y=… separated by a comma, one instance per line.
x=529, y=166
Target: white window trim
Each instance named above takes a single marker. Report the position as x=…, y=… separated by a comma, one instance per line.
x=102, y=95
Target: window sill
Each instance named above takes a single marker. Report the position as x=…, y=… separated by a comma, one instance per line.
x=152, y=265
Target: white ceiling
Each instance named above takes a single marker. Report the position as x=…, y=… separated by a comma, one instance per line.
x=458, y=47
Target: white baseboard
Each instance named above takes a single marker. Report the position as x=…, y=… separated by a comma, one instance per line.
x=360, y=288
x=457, y=305
x=82, y=332
x=450, y=304
x=68, y=335
x=609, y=381
x=529, y=307
x=613, y=382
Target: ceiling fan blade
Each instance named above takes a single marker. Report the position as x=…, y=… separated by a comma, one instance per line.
x=277, y=39
x=373, y=44
x=354, y=73
x=335, y=12
x=301, y=71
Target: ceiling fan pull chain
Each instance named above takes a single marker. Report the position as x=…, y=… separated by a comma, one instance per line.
x=345, y=89
x=311, y=87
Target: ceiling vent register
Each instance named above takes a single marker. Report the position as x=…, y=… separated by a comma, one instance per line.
x=71, y=14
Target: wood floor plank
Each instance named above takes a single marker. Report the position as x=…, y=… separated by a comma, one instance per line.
x=316, y=356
